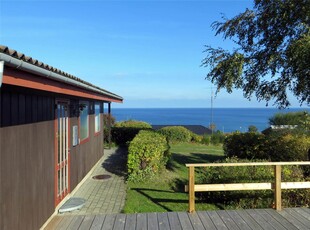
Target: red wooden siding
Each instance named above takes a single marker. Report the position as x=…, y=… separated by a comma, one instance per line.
x=27, y=153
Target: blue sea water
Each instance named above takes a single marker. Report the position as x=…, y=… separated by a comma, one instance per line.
x=225, y=119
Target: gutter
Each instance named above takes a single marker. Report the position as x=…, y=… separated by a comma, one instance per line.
x=1, y=72
x=22, y=65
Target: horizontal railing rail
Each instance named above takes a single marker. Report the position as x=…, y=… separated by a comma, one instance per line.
x=277, y=186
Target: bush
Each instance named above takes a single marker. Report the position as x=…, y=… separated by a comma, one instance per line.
x=196, y=138
x=133, y=124
x=215, y=139
x=176, y=133
x=123, y=132
x=255, y=174
x=289, y=147
x=246, y=146
x=206, y=139
x=148, y=153
x=106, y=119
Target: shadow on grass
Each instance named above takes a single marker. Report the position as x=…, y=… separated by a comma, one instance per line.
x=116, y=162
x=160, y=201
x=181, y=159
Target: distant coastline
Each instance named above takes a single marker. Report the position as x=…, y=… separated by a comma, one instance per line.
x=225, y=119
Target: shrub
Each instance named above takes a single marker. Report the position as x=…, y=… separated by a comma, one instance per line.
x=196, y=138
x=176, y=133
x=289, y=147
x=148, y=153
x=246, y=146
x=106, y=119
x=252, y=129
x=255, y=174
x=123, y=132
x=133, y=124
x=216, y=138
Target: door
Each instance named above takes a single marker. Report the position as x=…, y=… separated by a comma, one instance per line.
x=62, y=155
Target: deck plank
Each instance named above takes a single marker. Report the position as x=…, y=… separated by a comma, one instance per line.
x=299, y=217
x=54, y=223
x=249, y=220
x=217, y=220
x=163, y=221
x=268, y=217
x=302, y=212
x=259, y=219
x=238, y=220
x=185, y=221
x=109, y=221
x=255, y=219
x=87, y=222
x=131, y=221
x=292, y=220
x=206, y=220
x=229, y=222
x=120, y=221
x=152, y=221
x=75, y=222
x=98, y=222
x=196, y=222
x=281, y=219
x=141, y=221
x=306, y=210
x=65, y=222
x=174, y=221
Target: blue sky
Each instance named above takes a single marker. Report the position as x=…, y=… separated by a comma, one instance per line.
x=149, y=52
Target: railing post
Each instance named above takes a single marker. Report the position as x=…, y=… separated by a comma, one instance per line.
x=277, y=187
x=191, y=189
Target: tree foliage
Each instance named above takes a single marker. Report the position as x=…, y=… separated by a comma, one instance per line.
x=272, y=52
x=292, y=118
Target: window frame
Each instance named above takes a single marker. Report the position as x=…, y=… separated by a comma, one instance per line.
x=82, y=109
x=97, y=119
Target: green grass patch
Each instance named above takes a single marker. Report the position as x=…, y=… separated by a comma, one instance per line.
x=165, y=192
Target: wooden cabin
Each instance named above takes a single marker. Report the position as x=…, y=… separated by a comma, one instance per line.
x=51, y=135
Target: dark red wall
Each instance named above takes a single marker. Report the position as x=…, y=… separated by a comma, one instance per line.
x=28, y=156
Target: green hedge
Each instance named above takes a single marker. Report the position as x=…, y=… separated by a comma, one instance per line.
x=246, y=146
x=285, y=147
x=176, y=133
x=123, y=132
x=133, y=124
x=289, y=147
x=148, y=153
x=251, y=174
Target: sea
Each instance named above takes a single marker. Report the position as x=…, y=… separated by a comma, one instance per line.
x=225, y=119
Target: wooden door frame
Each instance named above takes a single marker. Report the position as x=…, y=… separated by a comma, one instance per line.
x=56, y=198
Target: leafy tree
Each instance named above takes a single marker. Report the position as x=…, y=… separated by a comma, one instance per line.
x=272, y=52
x=300, y=119
x=292, y=118
x=252, y=129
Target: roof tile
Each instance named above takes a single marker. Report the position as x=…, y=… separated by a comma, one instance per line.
x=30, y=60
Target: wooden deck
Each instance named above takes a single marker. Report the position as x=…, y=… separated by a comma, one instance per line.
x=290, y=218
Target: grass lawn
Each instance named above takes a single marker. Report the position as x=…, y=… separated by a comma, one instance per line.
x=165, y=192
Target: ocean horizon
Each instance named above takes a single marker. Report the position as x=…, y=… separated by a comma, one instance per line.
x=225, y=119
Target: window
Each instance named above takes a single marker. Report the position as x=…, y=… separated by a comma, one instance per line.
x=84, y=120
x=97, y=117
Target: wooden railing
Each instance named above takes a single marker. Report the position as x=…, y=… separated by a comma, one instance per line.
x=277, y=186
